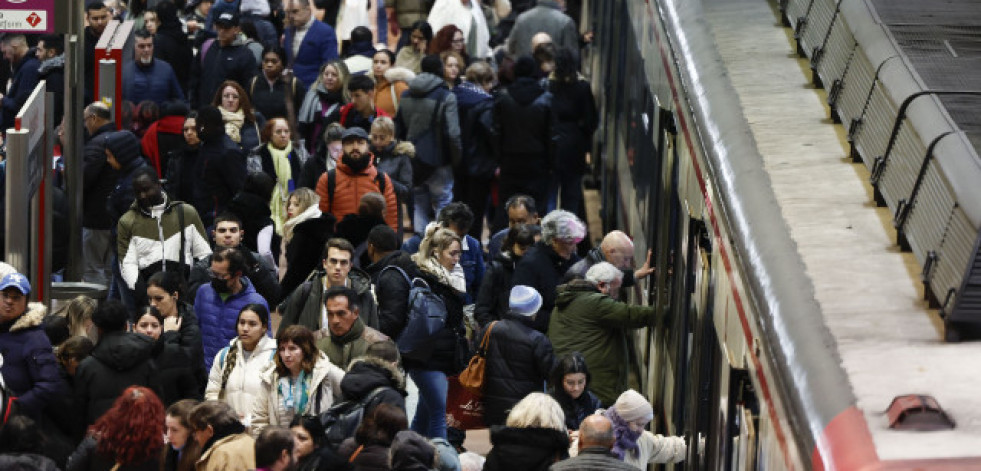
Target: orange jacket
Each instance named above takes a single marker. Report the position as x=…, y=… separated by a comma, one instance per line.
x=349, y=189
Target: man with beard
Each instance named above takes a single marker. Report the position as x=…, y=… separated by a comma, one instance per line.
x=341, y=189
x=51, y=52
x=149, y=78
x=274, y=450
x=153, y=227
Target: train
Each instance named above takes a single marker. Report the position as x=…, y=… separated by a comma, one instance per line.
x=804, y=288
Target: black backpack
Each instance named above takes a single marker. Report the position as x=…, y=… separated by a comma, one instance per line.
x=342, y=419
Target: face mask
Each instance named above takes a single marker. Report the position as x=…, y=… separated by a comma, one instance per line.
x=357, y=165
x=220, y=286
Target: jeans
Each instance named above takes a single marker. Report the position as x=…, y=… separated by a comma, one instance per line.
x=97, y=256
x=430, y=418
x=431, y=196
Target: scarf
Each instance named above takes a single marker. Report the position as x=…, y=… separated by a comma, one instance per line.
x=315, y=102
x=233, y=123
x=294, y=396
x=284, y=184
x=311, y=212
x=626, y=439
x=454, y=279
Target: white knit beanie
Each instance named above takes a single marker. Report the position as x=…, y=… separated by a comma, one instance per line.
x=631, y=406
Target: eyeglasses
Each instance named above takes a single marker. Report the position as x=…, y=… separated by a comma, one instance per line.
x=219, y=276
x=458, y=41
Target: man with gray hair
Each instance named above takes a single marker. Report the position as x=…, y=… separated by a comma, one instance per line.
x=545, y=263
x=589, y=319
x=596, y=439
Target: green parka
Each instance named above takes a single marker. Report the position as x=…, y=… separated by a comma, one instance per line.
x=594, y=324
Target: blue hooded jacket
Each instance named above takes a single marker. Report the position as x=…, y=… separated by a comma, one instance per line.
x=217, y=318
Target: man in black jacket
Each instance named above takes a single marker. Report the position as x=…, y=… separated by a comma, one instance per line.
x=26, y=77
x=219, y=169
x=391, y=289
x=50, y=51
x=227, y=58
x=228, y=232
x=98, y=181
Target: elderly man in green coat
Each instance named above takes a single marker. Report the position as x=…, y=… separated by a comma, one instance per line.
x=588, y=319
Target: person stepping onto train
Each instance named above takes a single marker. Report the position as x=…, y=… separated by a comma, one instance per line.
x=618, y=249
x=634, y=444
x=589, y=319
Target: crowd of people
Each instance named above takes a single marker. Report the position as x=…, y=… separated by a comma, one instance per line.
x=281, y=188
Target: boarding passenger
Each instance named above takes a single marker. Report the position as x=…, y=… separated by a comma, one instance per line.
x=634, y=444
x=618, y=249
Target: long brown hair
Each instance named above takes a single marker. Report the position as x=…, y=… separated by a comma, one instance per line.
x=303, y=338
x=244, y=103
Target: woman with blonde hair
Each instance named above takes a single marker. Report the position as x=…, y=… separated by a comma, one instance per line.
x=533, y=438
x=328, y=93
x=300, y=381
x=241, y=122
x=305, y=232
x=78, y=313
x=438, y=261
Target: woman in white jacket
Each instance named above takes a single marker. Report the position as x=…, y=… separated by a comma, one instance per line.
x=300, y=381
x=235, y=372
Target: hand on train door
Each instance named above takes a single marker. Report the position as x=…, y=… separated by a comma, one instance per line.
x=646, y=269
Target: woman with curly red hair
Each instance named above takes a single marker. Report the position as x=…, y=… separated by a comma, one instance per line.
x=129, y=436
x=450, y=38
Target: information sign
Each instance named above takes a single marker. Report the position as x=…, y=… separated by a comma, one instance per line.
x=27, y=16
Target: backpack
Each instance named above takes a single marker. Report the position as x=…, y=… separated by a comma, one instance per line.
x=342, y=419
x=332, y=185
x=425, y=317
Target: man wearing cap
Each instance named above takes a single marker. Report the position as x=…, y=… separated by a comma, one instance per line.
x=354, y=176
x=227, y=58
x=29, y=368
x=519, y=358
x=588, y=319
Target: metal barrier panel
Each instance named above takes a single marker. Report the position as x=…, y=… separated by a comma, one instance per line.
x=930, y=213
x=904, y=162
x=873, y=135
x=855, y=85
x=838, y=53
x=956, y=253
x=818, y=23
x=796, y=11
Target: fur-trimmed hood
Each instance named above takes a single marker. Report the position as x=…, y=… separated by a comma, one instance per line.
x=362, y=363
x=405, y=148
x=34, y=317
x=399, y=74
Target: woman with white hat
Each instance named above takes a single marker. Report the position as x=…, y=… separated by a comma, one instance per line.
x=519, y=358
x=634, y=444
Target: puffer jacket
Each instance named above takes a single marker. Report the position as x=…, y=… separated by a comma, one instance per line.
x=29, y=366
x=324, y=391
x=178, y=357
x=427, y=116
x=495, y=290
x=351, y=186
x=526, y=449
x=220, y=63
x=304, y=306
x=389, y=89
x=519, y=360
x=541, y=268
x=260, y=272
x=220, y=173
x=392, y=291
x=477, y=131
x=98, y=180
x=118, y=361
x=595, y=325
x=526, y=128
x=396, y=161
x=143, y=240
x=217, y=317
x=365, y=374
x=343, y=349
x=244, y=381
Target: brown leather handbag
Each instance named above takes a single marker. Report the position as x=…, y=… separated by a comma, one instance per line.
x=472, y=377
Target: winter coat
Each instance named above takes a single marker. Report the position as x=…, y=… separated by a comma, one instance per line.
x=178, y=357
x=156, y=82
x=525, y=449
x=395, y=160
x=29, y=367
x=270, y=99
x=218, y=318
x=595, y=325
x=546, y=17
x=472, y=262
x=409, y=58
x=264, y=156
x=143, y=240
x=319, y=46
x=592, y=258
x=365, y=374
x=656, y=449
x=392, y=291
x=244, y=381
x=122, y=196
x=52, y=71
x=407, y=12
x=576, y=410
x=99, y=179
x=311, y=118
x=170, y=44
x=25, y=78
x=525, y=130
x=118, y=361
x=576, y=120
x=496, y=242
x=593, y=459
x=26, y=462
x=355, y=228
x=87, y=458
x=389, y=88
x=349, y=117
x=305, y=305
x=219, y=174
x=495, y=289
x=477, y=131
x=161, y=139
x=314, y=167
x=541, y=268
x=260, y=272
x=181, y=180
x=351, y=186
x=255, y=214
x=518, y=361
x=412, y=452
x=427, y=117
x=444, y=342
x=220, y=63
x=343, y=349
x=324, y=391
x=305, y=251
x=234, y=452
x=373, y=457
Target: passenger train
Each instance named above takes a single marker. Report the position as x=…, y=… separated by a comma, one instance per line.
x=808, y=272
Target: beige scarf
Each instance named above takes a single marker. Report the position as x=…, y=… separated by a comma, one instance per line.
x=284, y=180
x=233, y=123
